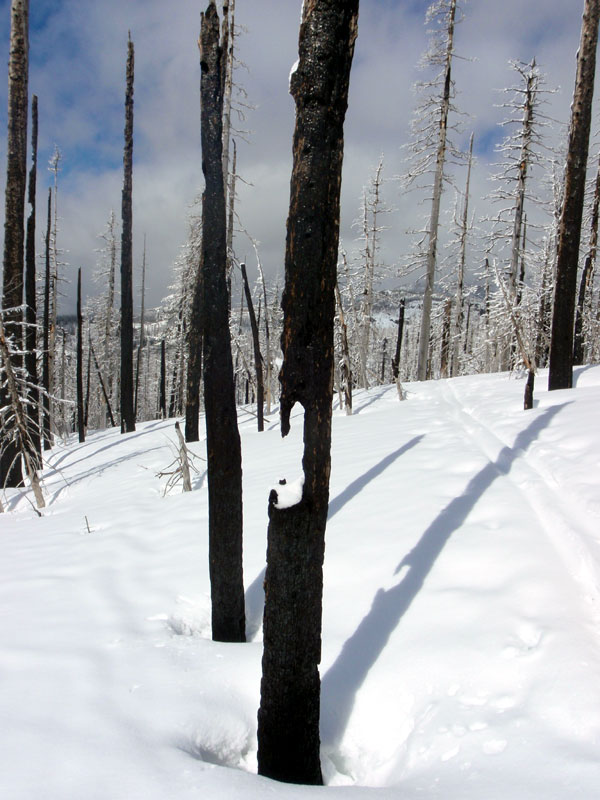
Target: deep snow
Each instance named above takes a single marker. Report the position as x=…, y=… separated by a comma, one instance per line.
x=461, y=630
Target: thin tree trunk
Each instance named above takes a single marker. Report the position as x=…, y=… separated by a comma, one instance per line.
x=396, y=359
x=162, y=397
x=464, y=230
x=258, y=360
x=14, y=229
x=288, y=718
x=142, y=332
x=587, y=276
x=127, y=399
x=224, y=458
x=31, y=295
x=569, y=230
x=46, y=361
x=434, y=219
x=80, y=405
x=103, y=387
x=346, y=367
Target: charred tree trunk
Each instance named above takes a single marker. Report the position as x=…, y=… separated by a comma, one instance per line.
x=569, y=229
x=14, y=229
x=127, y=391
x=587, y=276
x=288, y=719
x=224, y=458
x=162, y=391
x=258, y=360
x=80, y=404
x=46, y=407
x=194, y=370
x=396, y=359
x=30, y=294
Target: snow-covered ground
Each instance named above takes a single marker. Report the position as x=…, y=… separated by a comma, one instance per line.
x=461, y=631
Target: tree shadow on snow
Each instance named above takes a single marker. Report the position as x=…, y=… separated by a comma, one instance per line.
x=357, y=485
x=361, y=651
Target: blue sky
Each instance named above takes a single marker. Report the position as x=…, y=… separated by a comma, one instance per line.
x=78, y=52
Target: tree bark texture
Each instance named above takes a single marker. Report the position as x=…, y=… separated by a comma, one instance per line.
x=127, y=389
x=569, y=229
x=587, y=274
x=30, y=293
x=258, y=359
x=434, y=219
x=224, y=459
x=46, y=378
x=14, y=225
x=80, y=409
x=194, y=369
x=288, y=718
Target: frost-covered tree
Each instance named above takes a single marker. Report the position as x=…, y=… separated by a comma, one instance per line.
x=431, y=146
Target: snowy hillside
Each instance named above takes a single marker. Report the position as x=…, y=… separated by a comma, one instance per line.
x=461, y=631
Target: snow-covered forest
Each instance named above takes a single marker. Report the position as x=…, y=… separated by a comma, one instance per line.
x=432, y=375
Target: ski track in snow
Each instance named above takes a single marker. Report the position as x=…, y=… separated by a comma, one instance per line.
x=567, y=529
x=461, y=655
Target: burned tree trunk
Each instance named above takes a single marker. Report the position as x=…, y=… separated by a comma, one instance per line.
x=46, y=375
x=258, y=359
x=80, y=404
x=288, y=718
x=587, y=277
x=30, y=293
x=224, y=459
x=127, y=392
x=14, y=228
x=569, y=229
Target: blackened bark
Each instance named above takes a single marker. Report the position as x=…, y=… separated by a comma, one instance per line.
x=224, y=458
x=14, y=227
x=162, y=398
x=586, y=276
x=46, y=419
x=396, y=359
x=258, y=359
x=288, y=718
x=30, y=296
x=569, y=229
x=80, y=409
x=194, y=368
x=528, y=398
x=127, y=389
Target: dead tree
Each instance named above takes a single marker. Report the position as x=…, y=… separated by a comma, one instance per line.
x=14, y=227
x=224, y=459
x=258, y=359
x=46, y=360
x=30, y=291
x=79, y=367
x=127, y=392
x=569, y=230
x=587, y=276
x=440, y=105
x=288, y=718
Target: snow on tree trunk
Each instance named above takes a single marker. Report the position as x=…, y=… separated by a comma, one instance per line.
x=288, y=718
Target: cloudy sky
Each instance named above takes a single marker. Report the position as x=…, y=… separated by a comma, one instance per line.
x=77, y=54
